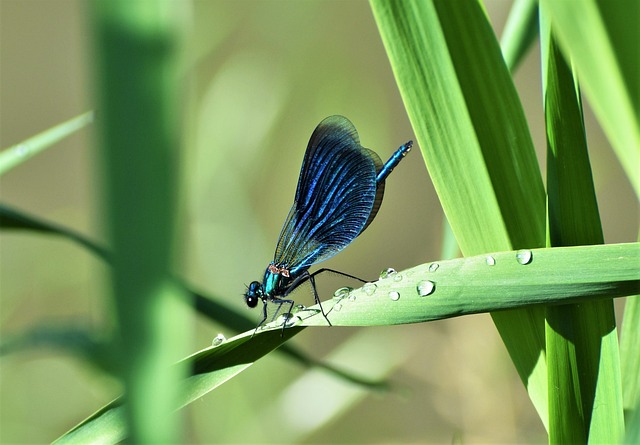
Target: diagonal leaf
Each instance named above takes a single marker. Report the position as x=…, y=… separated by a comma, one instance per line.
x=487, y=283
x=462, y=286
x=520, y=32
x=14, y=219
x=471, y=129
x=17, y=154
x=210, y=368
x=606, y=70
x=216, y=311
x=76, y=339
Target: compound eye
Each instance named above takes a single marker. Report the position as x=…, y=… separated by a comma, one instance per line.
x=251, y=300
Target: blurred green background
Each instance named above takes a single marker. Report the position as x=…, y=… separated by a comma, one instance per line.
x=258, y=77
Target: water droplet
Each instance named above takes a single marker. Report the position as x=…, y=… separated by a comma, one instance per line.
x=342, y=292
x=22, y=149
x=300, y=307
x=491, y=261
x=352, y=297
x=337, y=307
x=433, y=267
x=425, y=288
x=293, y=320
x=387, y=273
x=369, y=288
x=394, y=295
x=524, y=256
x=397, y=277
x=218, y=340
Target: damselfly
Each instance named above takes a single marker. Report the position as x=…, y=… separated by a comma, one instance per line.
x=339, y=192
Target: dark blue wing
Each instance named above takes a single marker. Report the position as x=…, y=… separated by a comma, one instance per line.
x=335, y=196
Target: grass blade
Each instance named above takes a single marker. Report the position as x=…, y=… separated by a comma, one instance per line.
x=607, y=71
x=209, y=369
x=519, y=32
x=15, y=155
x=582, y=344
x=571, y=274
x=471, y=129
x=137, y=67
x=209, y=307
x=13, y=219
x=630, y=364
x=487, y=283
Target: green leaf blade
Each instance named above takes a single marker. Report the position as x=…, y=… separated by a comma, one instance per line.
x=519, y=32
x=585, y=39
x=471, y=285
x=630, y=366
x=554, y=276
x=137, y=70
x=582, y=346
x=471, y=130
x=15, y=155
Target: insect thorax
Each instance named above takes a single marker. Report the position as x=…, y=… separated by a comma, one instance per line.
x=276, y=280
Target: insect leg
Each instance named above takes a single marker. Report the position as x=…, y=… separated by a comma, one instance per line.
x=306, y=276
x=280, y=302
x=312, y=280
x=324, y=269
x=311, y=277
x=264, y=317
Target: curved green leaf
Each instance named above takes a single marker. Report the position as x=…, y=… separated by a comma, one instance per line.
x=462, y=286
x=471, y=285
x=209, y=368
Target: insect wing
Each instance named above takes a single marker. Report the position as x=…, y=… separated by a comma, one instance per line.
x=334, y=199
